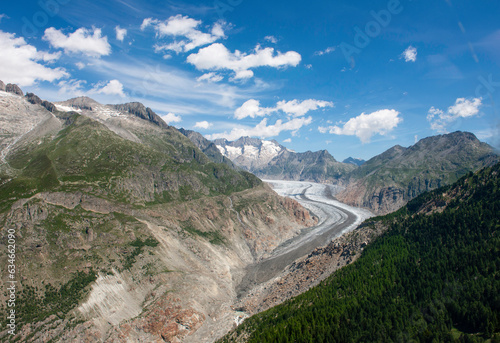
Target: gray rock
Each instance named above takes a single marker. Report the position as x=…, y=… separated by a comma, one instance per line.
x=139, y=110
x=32, y=98
x=2, y=86
x=12, y=88
x=49, y=106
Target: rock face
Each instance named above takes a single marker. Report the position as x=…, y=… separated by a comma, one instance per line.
x=12, y=88
x=389, y=180
x=2, y=86
x=32, y=98
x=142, y=112
x=270, y=160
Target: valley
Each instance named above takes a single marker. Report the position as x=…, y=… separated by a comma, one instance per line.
x=335, y=219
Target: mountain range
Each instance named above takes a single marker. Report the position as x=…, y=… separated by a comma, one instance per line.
x=271, y=160
x=383, y=184
x=124, y=229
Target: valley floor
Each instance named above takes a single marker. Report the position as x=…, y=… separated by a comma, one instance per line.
x=284, y=273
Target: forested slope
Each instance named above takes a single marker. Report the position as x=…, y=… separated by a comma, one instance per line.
x=433, y=277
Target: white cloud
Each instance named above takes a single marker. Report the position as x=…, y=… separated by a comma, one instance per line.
x=19, y=62
x=171, y=118
x=251, y=108
x=203, y=125
x=210, y=77
x=120, y=33
x=410, y=54
x=218, y=57
x=184, y=27
x=148, y=22
x=263, y=130
x=88, y=42
x=80, y=65
x=463, y=108
x=271, y=39
x=71, y=87
x=113, y=87
x=365, y=126
x=328, y=50
x=288, y=140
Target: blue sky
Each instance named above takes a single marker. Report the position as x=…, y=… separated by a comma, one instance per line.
x=352, y=77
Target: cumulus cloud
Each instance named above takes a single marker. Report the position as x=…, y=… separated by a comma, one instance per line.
x=210, y=77
x=410, y=54
x=203, y=125
x=120, y=33
x=365, y=126
x=88, y=42
x=218, y=57
x=288, y=140
x=113, y=87
x=263, y=130
x=184, y=28
x=328, y=50
x=295, y=108
x=463, y=108
x=21, y=63
x=171, y=118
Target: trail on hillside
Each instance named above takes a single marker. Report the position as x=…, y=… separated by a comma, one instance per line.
x=335, y=219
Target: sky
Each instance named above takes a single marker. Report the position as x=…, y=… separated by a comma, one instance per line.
x=352, y=77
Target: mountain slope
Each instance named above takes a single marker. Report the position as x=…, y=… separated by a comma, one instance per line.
x=270, y=160
x=124, y=229
x=208, y=147
x=389, y=180
x=435, y=271
x=355, y=161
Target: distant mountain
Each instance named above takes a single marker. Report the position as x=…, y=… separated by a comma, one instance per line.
x=355, y=161
x=124, y=229
x=389, y=180
x=208, y=147
x=271, y=160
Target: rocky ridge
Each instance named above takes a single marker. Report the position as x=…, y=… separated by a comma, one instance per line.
x=388, y=181
x=271, y=160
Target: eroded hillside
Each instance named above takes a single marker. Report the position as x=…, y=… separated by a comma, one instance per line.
x=124, y=229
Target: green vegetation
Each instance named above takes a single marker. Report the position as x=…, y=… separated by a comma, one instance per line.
x=138, y=244
x=34, y=305
x=213, y=237
x=431, y=278
x=86, y=156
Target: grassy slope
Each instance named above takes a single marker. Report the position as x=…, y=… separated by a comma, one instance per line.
x=88, y=157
